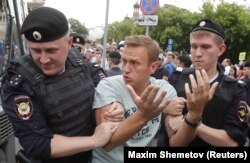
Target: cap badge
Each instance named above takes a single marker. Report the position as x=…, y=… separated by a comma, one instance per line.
x=202, y=23
x=37, y=36
x=77, y=40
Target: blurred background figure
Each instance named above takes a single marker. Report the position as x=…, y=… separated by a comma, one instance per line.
x=78, y=42
x=160, y=72
x=114, y=60
x=226, y=63
x=183, y=61
x=121, y=47
x=113, y=46
x=233, y=72
x=246, y=72
x=170, y=63
x=89, y=54
x=246, y=80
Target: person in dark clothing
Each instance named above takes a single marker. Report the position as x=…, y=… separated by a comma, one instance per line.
x=246, y=80
x=160, y=72
x=114, y=60
x=78, y=41
x=223, y=121
x=246, y=71
x=96, y=72
x=48, y=94
x=183, y=61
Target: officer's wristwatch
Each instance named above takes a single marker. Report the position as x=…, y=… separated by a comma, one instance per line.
x=191, y=124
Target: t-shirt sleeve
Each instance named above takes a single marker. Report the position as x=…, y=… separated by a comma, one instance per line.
x=105, y=94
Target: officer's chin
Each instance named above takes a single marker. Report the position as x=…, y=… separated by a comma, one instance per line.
x=51, y=72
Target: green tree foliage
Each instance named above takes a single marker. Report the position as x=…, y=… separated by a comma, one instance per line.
x=173, y=23
x=177, y=23
x=76, y=26
x=235, y=20
x=119, y=30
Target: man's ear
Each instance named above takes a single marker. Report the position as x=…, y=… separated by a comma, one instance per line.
x=70, y=41
x=222, y=49
x=153, y=67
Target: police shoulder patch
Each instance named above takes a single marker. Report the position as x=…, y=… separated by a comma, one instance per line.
x=23, y=107
x=242, y=111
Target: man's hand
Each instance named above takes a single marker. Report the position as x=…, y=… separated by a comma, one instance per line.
x=104, y=132
x=148, y=104
x=172, y=124
x=200, y=95
x=115, y=113
x=175, y=106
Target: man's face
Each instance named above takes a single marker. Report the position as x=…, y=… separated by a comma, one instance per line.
x=79, y=47
x=224, y=63
x=136, y=67
x=205, y=52
x=51, y=56
x=246, y=71
x=88, y=55
x=179, y=63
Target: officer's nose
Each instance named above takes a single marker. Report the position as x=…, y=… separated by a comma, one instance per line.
x=44, y=58
x=198, y=52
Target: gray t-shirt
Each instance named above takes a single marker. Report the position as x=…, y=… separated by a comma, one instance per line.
x=114, y=89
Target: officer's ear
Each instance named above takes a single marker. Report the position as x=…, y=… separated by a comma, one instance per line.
x=70, y=41
x=222, y=49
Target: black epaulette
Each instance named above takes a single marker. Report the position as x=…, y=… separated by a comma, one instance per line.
x=15, y=80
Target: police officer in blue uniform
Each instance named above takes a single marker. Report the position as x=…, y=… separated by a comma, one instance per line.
x=48, y=94
x=96, y=72
x=246, y=80
x=78, y=41
x=246, y=69
x=223, y=120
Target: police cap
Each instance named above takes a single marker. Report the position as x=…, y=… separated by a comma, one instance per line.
x=115, y=54
x=78, y=38
x=44, y=24
x=209, y=25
